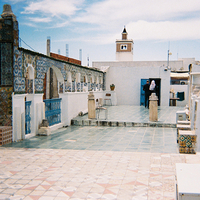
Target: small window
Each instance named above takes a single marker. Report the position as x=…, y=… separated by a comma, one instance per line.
x=123, y=47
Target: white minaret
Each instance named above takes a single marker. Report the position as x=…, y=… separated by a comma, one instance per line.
x=124, y=48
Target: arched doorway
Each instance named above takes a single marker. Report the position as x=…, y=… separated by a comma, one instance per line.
x=51, y=83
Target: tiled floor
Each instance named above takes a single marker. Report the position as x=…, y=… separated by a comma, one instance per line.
x=57, y=174
x=124, y=139
x=136, y=114
x=94, y=162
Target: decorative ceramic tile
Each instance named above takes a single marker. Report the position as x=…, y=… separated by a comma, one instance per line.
x=78, y=87
x=92, y=86
x=38, y=88
x=60, y=87
x=81, y=86
x=73, y=86
x=6, y=106
x=30, y=86
x=38, y=81
x=19, y=80
x=6, y=63
x=19, y=88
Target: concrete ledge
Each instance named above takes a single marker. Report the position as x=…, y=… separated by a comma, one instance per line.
x=94, y=122
x=44, y=131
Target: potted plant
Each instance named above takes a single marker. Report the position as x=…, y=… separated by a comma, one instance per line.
x=112, y=87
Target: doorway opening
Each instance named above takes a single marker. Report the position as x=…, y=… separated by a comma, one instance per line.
x=158, y=88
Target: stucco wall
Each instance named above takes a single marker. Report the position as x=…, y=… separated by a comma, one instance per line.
x=74, y=103
x=128, y=82
x=181, y=88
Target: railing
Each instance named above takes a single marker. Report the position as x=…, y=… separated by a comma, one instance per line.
x=53, y=111
x=27, y=117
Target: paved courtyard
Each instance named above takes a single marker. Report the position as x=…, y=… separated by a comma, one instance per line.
x=93, y=162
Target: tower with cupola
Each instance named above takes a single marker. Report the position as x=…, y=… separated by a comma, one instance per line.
x=124, y=48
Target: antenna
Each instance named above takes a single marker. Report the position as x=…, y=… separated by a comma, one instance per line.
x=80, y=55
x=88, y=61
x=48, y=45
x=67, y=50
x=168, y=54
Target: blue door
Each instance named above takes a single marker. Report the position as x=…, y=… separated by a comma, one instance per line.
x=142, y=93
x=27, y=117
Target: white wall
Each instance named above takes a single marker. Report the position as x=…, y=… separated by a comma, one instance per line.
x=36, y=112
x=179, y=65
x=124, y=56
x=75, y=102
x=127, y=82
x=18, y=111
x=181, y=88
x=71, y=105
x=173, y=64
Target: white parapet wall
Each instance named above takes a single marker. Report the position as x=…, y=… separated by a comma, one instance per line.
x=127, y=80
x=72, y=104
x=18, y=110
x=75, y=102
x=36, y=114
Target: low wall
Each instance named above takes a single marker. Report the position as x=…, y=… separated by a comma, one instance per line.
x=127, y=82
x=75, y=102
x=71, y=105
x=181, y=88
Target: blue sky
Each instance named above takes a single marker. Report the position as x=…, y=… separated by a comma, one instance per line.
x=94, y=26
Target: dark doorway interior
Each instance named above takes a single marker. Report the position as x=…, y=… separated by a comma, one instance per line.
x=158, y=87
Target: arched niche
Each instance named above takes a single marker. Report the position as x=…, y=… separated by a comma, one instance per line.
x=53, y=83
x=78, y=82
x=84, y=83
x=68, y=83
x=29, y=79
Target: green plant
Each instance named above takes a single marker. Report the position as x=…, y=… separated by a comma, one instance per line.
x=112, y=85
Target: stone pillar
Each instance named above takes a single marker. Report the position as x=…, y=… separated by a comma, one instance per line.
x=91, y=106
x=153, y=108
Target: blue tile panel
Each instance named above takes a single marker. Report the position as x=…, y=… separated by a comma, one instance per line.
x=6, y=106
x=41, y=65
x=6, y=63
x=53, y=111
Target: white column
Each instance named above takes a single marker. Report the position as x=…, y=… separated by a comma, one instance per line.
x=18, y=110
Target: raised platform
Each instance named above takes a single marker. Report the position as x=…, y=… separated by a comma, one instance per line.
x=130, y=116
x=93, y=122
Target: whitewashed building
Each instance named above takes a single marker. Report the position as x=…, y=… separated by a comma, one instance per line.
x=129, y=76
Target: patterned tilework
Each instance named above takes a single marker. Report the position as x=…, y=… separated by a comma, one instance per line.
x=6, y=63
x=5, y=135
x=19, y=79
x=30, y=86
x=78, y=174
x=6, y=29
x=73, y=86
x=78, y=87
x=187, y=142
x=68, y=87
x=60, y=87
x=8, y=39
x=5, y=106
x=41, y=65
x=14, y=63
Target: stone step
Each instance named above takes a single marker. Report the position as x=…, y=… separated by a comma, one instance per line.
x=93, y=122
